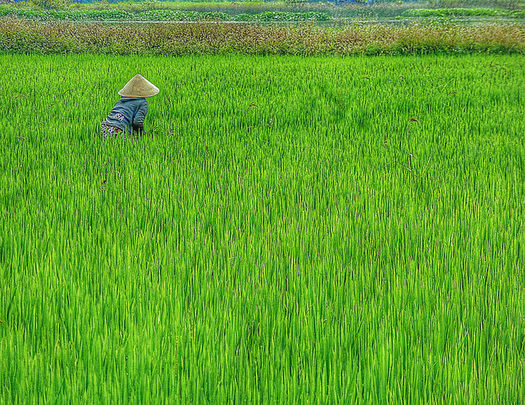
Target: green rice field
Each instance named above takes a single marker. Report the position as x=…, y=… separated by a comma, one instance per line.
x=291, y=230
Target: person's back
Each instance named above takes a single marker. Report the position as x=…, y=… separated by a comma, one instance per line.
x=129, y=112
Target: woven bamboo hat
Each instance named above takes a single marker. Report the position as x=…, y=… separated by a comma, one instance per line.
x=139, y=87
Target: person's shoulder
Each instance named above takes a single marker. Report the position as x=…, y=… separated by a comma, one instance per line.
x=141, y=101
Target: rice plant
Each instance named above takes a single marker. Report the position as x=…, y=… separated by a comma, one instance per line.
x=312, y=230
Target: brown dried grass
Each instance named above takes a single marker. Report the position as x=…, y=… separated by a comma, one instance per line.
x=175, y=39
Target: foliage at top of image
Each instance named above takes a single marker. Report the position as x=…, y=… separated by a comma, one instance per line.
x=158, y=15
x=339, y=6
x=245, y=11
x=271, y=11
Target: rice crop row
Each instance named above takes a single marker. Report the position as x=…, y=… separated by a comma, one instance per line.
x=464, y=12
x=291, y=230
x=158, y=15
x=214, y=38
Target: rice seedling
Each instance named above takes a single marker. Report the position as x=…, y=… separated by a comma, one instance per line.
x=312, y=230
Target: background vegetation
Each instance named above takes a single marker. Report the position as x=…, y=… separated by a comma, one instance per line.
x=104, y=10
x=302, y=39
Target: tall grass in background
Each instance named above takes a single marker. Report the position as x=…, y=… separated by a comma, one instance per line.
x=291, y=230
x=246, y=38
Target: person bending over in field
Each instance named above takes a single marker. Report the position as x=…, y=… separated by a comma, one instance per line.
x=129, y=112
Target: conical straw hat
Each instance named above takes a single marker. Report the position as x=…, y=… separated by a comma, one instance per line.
x=138, y=87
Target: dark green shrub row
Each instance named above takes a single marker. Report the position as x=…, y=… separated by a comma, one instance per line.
x=157, y=15
x=176, y=15
x=283, y=16
x=73, y=15
x=464, y=12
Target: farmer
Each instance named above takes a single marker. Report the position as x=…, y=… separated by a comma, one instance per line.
x=129, y=112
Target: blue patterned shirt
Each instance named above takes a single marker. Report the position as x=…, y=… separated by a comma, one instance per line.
x=128, y=112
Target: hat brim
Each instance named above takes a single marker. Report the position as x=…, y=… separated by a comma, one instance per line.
x=149, y=93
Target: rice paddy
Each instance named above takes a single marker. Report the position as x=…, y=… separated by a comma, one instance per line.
x=312, y=230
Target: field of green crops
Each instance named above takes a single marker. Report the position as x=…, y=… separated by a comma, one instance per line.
x=291, y=230
x=464, y=12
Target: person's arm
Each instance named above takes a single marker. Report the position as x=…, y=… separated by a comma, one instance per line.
x=138, y=120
